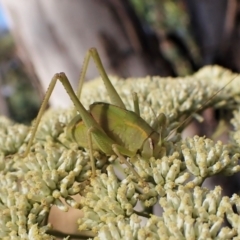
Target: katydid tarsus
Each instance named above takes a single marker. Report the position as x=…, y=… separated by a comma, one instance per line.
x=109, y=128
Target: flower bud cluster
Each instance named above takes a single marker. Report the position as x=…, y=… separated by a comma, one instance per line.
x=56, y=169
x=121, y=228
x=188, y=214
x=204, y=158
x=4, y=122
x=161, y=174
x=196, y=214
x=229, y=95
x=53, y=174
x=12, y=136
x=235, y=135
x=20, y=217
x=53, y=122
x=106, y=198
x=233, y=217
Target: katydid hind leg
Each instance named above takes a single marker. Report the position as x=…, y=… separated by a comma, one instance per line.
x=114, y=96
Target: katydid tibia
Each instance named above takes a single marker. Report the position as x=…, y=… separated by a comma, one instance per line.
x=109, y=128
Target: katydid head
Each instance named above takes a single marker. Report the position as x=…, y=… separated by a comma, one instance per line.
x=155, y=144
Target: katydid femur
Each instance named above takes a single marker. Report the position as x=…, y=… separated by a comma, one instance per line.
x=109, y=128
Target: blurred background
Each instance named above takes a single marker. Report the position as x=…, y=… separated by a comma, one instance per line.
x=134, y=38
x=39, y=38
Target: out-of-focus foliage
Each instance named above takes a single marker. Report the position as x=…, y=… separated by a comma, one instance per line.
x=166, y=14
x=168, y=17
x=16, y=87
x=163, y=16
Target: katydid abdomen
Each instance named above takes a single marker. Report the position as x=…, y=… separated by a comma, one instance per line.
x=125, y=128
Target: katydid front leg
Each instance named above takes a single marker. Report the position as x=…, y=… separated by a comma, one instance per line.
x=116, y=149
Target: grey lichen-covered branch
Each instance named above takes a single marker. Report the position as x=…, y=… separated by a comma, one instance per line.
x=57, y=169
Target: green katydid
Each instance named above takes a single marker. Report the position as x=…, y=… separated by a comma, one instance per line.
x=109, y=128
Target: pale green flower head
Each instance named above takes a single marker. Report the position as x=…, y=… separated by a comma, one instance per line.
x=116, y=203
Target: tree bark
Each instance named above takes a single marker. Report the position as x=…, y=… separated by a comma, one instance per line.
x=215, y=25
x=3, y=105
x=53, y=36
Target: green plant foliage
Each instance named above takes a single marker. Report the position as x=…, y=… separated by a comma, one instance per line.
x=58, y=169
x=18, y=90
x=166, y=17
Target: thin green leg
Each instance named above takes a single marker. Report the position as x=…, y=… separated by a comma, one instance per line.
x=90, y=144
x=114, y=96
x=136, y=103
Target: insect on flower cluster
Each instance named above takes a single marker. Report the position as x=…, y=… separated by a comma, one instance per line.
x=161, y=167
